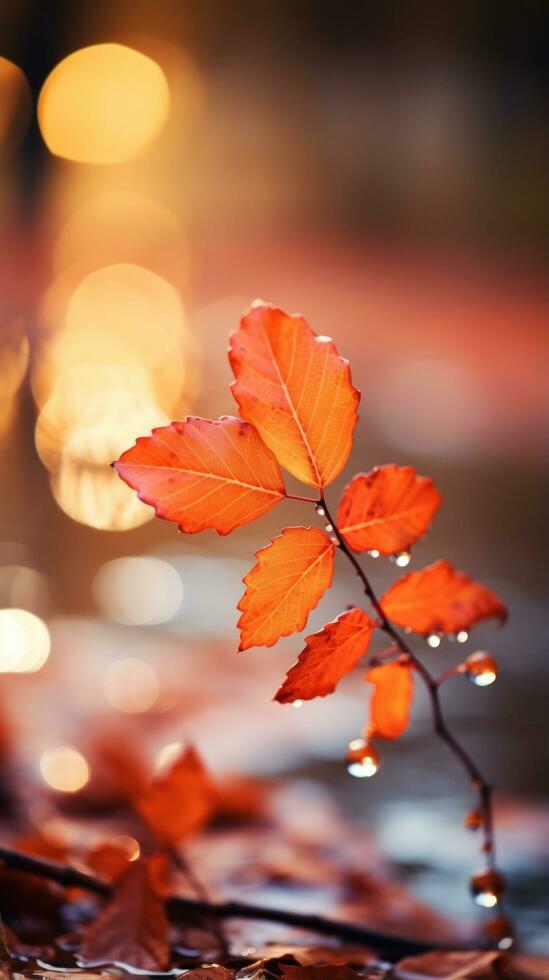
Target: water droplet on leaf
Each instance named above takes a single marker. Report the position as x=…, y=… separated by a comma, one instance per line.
x=481, y=668
x=403, y=559
x=462, y=636
x=374, y=553
x=487, y=887
x=362, y=759
x=329, y=528
x=433, y=640
x=320, y=510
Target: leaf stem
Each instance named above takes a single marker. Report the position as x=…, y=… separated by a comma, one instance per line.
x=478, y=782
x=387, y=946
x=307, y=500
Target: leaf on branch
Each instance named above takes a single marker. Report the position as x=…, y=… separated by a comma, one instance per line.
x=297, y=391
x=291, y=576
x=447, y=965
x=387, y=509
x=440, y=599
x=202, y=473
x=177, y=803
x=391, y=699
x=328, y=656
x=132, y=929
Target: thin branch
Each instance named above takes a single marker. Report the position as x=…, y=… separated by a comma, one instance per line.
x=182, y=862
x=297, y=496
x=387, y=946
x=479, y=783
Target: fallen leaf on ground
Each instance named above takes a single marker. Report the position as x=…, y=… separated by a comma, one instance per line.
x=178, y=802
x=132, y=929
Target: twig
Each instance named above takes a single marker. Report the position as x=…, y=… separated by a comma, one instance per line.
x=478, y=781
x=182, y=862
x=387, y=946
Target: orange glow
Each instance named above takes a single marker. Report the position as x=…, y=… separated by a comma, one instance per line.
x=14, y=357
x=131, y=685
x=15, y=106
x=64, y=769
x=121, y=226
x=103, y=104
x=88, y=490
x=24, y=641
x=138, y=591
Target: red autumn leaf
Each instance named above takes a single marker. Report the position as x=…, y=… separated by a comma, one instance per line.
x=132, y=928
x=297, y=391
x=291, y=575
x=391, y=700
x=388, y=509
x=110, y=859
x=177, y=803
x=440, y=599
x=328, y=656
x=202, y=473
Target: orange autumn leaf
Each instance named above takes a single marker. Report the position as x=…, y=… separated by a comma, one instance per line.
x=178, y=802
x=202, y=473
x=291, y=575
x=391, y=700
x=297, y=391
x=388, y=509
x=328, y=656
x=440, y=599
x=132, y=928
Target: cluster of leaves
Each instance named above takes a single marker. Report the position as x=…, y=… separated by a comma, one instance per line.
x=298, y=410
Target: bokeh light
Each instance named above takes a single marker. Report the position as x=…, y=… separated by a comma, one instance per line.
x=24, y=641
x=24, y=588
x=121, y=226
x=103, y=104
x=15, y=106
x=131, y=685
x=14, y=358
x=138, y=591
x=88, y=490
x=64, y=769
x=118, y=366
x=167, y=755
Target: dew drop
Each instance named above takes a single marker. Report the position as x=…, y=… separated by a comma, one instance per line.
x=374, y=553
x=487, y=887
x=433, y=640
x=362, y=759
x=403, y=559
x=329, y=528
x=481, y=668
x=335, y=540
x=298, y=703
x=462, y=636
x=320, y=510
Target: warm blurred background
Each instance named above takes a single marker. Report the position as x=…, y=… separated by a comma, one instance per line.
x=381, y=168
